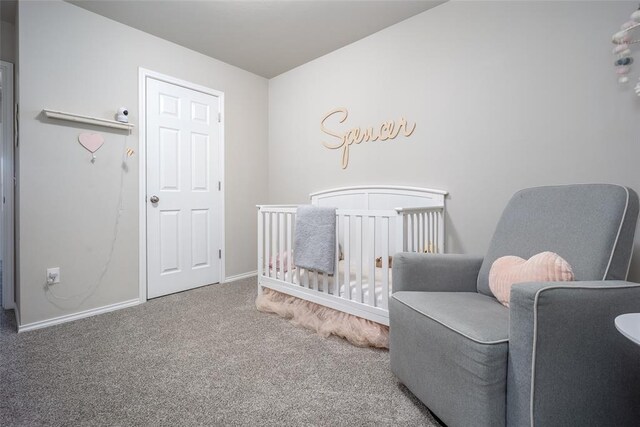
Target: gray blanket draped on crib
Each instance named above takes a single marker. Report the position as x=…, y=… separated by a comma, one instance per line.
x=315, y=239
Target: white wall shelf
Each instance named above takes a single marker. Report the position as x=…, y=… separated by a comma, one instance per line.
x=96, y=121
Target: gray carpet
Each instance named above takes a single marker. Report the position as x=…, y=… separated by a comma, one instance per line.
x=202, y=357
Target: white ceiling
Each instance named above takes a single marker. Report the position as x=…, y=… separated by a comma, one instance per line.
x=264, y=37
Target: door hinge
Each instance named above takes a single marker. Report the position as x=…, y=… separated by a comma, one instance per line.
x=219, y=117
x=219, y=185
x=219, y=253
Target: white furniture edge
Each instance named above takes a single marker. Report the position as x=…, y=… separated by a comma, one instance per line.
x=75, y=316
x=625, y=324
x=373, y=188
x=78, y=118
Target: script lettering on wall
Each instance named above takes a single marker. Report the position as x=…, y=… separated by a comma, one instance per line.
x=385, y=131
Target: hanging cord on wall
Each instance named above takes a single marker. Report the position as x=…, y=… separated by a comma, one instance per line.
x=88, y=292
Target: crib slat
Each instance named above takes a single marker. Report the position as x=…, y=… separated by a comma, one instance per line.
x=281, y=248
x=325, y=283
x=434, y=219
x=421, y=231
x=434, y=233
x=267, y=243
x=384, y=238
x=315, y=280
x=414, y=234
x=372, y=261
x=274, y=244
x=347, y=256
x=438, y=233
x=396, y=234
x=336, y=272
x=424, y=233
x=432, y=230
x=260, y=244
x=428, y=234
x=288, y=276
x=409, y=235
x=405, y=232
x=441, y=231
x=359, y=260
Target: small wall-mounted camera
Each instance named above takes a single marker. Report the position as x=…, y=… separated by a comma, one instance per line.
x=122, y=115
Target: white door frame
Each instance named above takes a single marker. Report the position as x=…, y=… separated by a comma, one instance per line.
x=8, y=185
x=143, y=75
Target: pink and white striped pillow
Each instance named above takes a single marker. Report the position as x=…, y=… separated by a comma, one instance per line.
x=510, y=270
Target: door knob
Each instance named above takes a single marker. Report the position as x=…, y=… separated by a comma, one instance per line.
x=154, y=199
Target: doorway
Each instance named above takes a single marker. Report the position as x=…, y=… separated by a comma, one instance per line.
x=182, y=150
x=8, y=182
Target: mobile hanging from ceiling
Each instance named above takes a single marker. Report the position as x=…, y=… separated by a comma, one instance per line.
x=625, y=39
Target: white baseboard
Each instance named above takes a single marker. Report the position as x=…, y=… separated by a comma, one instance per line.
x=75, y=316
x=240, y=276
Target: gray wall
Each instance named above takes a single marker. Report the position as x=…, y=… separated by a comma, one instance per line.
x=7, y=42
x=74, y=60
x=505, y=95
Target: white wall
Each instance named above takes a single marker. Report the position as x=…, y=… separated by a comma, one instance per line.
x=505, y=95
x=74, y=60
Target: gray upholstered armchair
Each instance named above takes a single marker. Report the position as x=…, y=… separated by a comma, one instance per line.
x=554, y=357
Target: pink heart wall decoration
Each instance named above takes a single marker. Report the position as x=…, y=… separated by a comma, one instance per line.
x=91, y=141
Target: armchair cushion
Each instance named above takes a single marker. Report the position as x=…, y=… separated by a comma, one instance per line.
x=467, y=381
x=474, y=316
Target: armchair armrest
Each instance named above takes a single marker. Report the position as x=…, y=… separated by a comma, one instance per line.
x=565, y=354
x=435, y=272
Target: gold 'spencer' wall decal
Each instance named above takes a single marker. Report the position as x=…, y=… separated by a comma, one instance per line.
x=385, y=131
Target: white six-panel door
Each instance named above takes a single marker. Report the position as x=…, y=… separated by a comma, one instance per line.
x=183, y=188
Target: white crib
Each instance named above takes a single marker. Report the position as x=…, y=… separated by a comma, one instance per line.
x=372, y=223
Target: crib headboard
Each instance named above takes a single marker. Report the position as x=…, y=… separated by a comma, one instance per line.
x=379, y=197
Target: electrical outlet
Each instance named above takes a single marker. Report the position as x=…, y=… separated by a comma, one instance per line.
x=53, y=275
